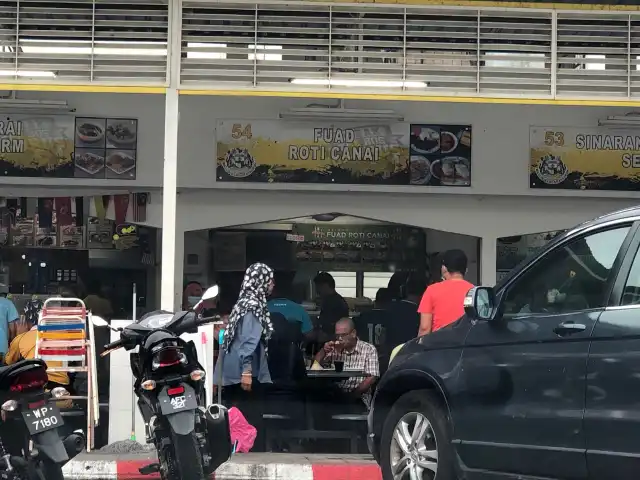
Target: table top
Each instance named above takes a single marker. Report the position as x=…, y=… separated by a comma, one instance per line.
x=331, y=373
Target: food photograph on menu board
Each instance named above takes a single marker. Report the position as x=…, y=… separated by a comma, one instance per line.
x=440, y=155
x=106, y=148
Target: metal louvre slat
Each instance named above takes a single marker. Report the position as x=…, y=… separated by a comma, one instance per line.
x=84, y=41
x=593, y=54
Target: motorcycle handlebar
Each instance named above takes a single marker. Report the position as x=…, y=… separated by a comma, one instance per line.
x=206, y=320
x=111, y=347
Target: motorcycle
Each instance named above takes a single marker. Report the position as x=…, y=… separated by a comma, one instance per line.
x=31, y=445
x=191, y=441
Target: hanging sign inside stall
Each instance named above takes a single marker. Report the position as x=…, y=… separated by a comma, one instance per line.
x=584, y=158
x=347, y=153
x=62, y=146
x=372, y=247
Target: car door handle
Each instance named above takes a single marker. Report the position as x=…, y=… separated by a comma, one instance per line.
x=569, y=328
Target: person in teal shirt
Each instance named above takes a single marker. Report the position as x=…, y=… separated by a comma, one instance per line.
x=8, y=315
x=294, y=312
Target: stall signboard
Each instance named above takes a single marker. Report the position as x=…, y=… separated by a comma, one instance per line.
x=342, y=153
x=62, y=146
x=587, y=158
x=367, y=247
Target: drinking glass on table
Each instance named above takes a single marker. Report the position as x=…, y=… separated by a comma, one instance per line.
x=338, y=356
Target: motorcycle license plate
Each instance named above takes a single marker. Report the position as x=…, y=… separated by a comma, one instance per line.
x=184, y=398
x=41, y=419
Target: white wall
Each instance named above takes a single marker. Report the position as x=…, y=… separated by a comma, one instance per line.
x=499, y=203
x=500, y=137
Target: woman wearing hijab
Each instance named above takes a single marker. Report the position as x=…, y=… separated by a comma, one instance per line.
x=242, y=368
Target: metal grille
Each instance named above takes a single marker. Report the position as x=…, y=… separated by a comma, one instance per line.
x=84, y=41
x=455, y=50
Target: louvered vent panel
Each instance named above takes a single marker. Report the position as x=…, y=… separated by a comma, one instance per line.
x=593, y=54
x=634, y=55
x=515, y=52
x=442, y=49
x=455, y=50
x=367, y=43
x=245, y=45
x=84, y=41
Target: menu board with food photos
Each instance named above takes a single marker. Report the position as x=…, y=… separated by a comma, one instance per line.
x=63, y=146
x=106, y=148
x=440, y=155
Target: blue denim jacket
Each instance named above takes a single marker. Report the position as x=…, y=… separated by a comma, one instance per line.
x=246, y=349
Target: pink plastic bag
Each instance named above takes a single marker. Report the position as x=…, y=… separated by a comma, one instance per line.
x=241, y=431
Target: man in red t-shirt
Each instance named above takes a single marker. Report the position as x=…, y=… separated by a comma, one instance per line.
x=443, y=302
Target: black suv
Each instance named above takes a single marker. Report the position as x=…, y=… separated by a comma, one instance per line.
x=539, y=379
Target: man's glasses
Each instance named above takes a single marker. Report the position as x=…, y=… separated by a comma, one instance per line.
x=342, y=336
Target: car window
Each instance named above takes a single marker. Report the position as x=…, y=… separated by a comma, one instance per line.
x=570, y=278
x=631, y=293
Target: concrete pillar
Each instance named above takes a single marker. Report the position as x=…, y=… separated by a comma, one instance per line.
x=488, y=252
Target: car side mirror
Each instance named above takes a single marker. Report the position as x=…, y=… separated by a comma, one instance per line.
x=480, y=303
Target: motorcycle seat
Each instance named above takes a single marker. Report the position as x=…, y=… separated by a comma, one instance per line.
x=23, y=365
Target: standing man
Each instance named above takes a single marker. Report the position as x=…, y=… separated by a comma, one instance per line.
x=333, y=306
x=443, y=302
x=404, y=312
x=8, y=321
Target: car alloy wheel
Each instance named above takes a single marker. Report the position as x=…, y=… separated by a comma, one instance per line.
x=414, y=449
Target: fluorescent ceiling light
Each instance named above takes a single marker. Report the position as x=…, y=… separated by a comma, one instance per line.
x=84, y=47
x=27, y=73
x=35, y=105
x=206, y=54
x=620, y=120
x=337, y=82
x=342, y=114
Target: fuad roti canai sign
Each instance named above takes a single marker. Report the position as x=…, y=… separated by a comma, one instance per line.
x=279, y=151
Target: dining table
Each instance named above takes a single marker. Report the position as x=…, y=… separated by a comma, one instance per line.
x=331, y=374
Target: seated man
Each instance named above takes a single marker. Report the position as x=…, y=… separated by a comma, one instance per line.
x=357, y=355
x=23, y=347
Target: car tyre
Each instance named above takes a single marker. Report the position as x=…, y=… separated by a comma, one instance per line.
x=401, y=421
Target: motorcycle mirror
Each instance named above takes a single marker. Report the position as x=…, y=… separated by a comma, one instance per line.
x=99, y=321
x=211, y=293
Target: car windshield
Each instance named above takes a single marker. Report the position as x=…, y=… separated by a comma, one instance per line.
x=158, y=320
